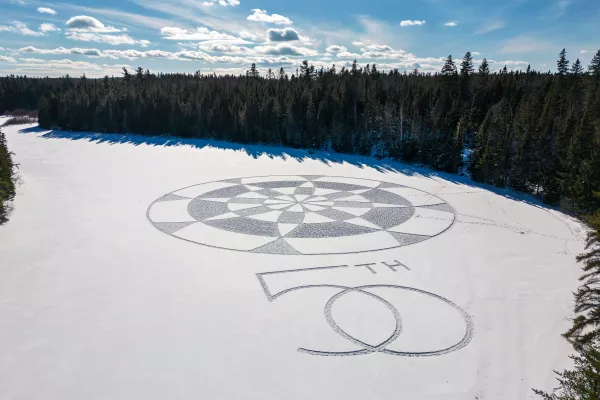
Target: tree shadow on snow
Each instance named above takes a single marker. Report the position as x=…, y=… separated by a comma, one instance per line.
x=386, y=166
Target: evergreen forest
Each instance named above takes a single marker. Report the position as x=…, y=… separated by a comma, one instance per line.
x=531, y=131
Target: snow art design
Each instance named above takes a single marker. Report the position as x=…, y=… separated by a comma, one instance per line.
x=446, y=326
x=296, y=215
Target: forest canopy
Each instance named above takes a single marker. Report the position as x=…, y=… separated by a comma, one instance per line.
x=531, y=131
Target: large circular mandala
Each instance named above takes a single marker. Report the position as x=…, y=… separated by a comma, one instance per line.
x=301, y=215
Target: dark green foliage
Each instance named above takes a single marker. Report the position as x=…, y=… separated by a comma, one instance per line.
x=7, y=185
x=586, y=326
x=449, y=67
x=20, y=121
x=562, y=65
x=576, y=68
x=581, y=383
x=533, y=132
x=594, y=67
x=466, y=67
x=484, y=68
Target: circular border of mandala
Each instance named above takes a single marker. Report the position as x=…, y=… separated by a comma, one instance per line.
x=253, y=250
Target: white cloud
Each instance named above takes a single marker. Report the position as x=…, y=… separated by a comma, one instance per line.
x=248, y=36
x=20, y=28
x=83, y=23
x=46, y=10
x=208, y=4
x=39, y=67
x=224, y=48
x=200, y=34
x=62, y=50
x=475, y=53
x=282, y=35
x=226, y=3
x=262, y=16
x=127, y=17
x=19, y=2
x=584, y=51
x=7, y=59
x=263, y=55
x=336, y=49
x=114, y=40
x=357, y=43
x=507, y=62
x=346, y=54
x=89, y=29
x=135, y=54
x=408, y=22
x=48, y=28
x=286, y=50
x=377, y=47
x=451, y=23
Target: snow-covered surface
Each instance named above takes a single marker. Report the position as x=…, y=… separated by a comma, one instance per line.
x=97, y=303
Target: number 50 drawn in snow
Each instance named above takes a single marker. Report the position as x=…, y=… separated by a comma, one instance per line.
x=453, y=331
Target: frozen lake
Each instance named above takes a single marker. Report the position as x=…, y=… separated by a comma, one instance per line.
x=155, y=268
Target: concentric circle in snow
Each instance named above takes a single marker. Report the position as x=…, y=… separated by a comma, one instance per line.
x=301, y=215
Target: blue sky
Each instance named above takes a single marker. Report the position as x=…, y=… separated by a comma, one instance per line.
x=40, y=38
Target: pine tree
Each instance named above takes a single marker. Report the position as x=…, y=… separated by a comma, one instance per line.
x=484, y=68
x=581, y=383
x=586, y=326
x=562, y=65
x=466, y=67
x=7, y=184
x=594, y=67
x=449, y=67
x=577, y=68
x=252, y=72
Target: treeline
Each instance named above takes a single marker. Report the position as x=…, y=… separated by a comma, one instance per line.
x=526, y=130
x=7, y=185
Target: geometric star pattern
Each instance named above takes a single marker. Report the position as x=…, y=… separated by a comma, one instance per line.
x=304, y=214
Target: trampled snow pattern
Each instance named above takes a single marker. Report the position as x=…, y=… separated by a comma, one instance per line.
x=301, y=214
x=163, y=268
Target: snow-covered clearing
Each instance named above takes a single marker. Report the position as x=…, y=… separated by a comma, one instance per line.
x=315, y=276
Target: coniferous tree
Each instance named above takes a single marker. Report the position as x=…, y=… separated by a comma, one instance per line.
x=484, y=68
x=449, y=67
x=466, y=66
x=594, y=67
x=577, y=68
x=535, y=132
x=562, y=64
x=7, y=184
x=581, y=383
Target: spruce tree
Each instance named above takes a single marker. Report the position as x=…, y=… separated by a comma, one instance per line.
x=577, y=68
x=594, y=67
x=449, y=67
x=7, y=184
x=466, y=66
x=484, y=68
x=562, y=64
x=581, y=383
